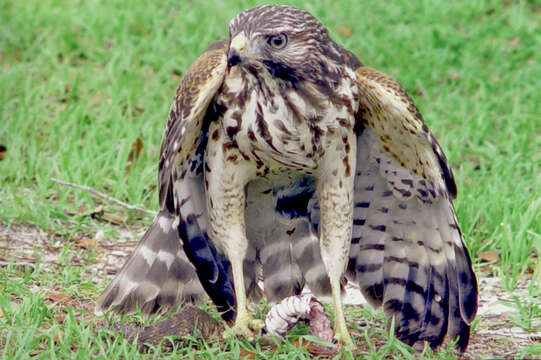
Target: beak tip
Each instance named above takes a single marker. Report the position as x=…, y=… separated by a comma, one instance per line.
x=233, y=59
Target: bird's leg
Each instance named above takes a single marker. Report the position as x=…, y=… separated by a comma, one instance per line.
x=334, y=242
x=335, y=197
x=245, y=324
x=226, y=204
x=228, y=231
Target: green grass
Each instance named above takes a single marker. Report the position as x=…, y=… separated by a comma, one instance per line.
x=81, y=81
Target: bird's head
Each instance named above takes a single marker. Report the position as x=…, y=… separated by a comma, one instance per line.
x=287, y=42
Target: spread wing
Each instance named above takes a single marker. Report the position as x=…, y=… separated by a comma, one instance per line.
x=407, y=251
x=158, y=273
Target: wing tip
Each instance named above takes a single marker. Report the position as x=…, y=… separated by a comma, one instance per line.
x=463, y=338
x=468, y=287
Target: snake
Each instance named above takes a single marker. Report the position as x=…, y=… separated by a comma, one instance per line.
x=190, y=321
x=193, y=321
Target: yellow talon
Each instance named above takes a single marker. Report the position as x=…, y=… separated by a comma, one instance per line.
x=343, y=338
x=341, y=333
x=245, y=326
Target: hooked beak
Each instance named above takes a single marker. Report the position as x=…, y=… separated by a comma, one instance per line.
x=236, y=49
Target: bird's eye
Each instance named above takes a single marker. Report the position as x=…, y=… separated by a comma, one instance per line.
x=277, y=41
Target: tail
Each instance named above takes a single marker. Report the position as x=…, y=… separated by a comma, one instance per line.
x=270, y=238
x=281, y=273
x=158, y=275
x=308, y=256
x=288, y=248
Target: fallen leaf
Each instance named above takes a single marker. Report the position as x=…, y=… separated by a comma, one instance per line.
x=96, y=212
x=134, y=154
x=35, y=352
x=489, y=256
x=343, y=30
x=514, y=42
x=56, y=297
x=58, y=336
x=418, y=92
x=3, y=151
x=112, y=218
x=1, y=313
x=135, y=149
x=138, y=110
x=60, y=317
x=86, y=243
x=246, y=354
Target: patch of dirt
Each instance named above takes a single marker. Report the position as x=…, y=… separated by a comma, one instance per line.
x=496, y=334
x=24, y=245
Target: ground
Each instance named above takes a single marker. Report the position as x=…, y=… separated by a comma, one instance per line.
x=27, y=250
x=85, y=88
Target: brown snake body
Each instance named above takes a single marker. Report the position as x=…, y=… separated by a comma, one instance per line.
x=192, y=321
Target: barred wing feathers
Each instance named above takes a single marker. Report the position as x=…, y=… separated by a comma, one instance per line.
x=407, y=251
x=159, y=272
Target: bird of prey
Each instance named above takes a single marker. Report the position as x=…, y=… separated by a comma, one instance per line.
x=284, y=156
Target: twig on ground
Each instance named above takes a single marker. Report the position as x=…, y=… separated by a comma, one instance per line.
x=15, y=263
x=104, y=196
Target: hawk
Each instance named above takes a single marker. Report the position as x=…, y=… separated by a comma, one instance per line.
x=284, y=156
